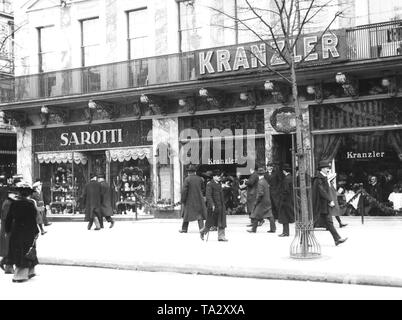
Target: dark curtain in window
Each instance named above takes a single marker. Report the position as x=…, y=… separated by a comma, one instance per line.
x=326, y=147
x=395, y=140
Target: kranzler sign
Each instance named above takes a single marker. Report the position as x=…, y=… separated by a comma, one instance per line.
x=250, y=57
x=99, y=136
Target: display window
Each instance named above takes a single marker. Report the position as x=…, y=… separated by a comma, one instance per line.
x=64, y=176
x=131, y=185
x=369, y=161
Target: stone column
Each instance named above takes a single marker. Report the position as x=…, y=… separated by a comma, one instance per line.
x=166, y=131
x=24, y=154
x=269, y=132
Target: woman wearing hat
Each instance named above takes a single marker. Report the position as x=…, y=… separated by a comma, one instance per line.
x=4, y=239
x=22, y=230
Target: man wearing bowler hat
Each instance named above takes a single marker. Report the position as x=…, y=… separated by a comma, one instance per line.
x=106, y=209
x=216, y=207
x=286, y=212
x=274, y=178
x=322, y=200
x=263, y=207
x=192, y=200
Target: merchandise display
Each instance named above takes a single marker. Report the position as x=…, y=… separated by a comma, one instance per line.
x=63, y=192
x=130, y=187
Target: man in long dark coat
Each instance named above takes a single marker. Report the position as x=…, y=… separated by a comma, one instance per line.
x=251, y=184
x=106, y=209
x=216, y=207
x=192, y=201
x=322, y=201
x=4, y=240
x=286, y=207
x=263, y=207
x=274, y=178
x=91, y=199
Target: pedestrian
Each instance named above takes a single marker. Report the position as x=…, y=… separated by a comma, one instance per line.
x=286, y=212
x=5, y=264
x=251, y=183
x=274, y=178
x=216, y=207
x=263, y=207
x=39, y=187
x=91, y=199
x=23, y=231
x=322, y=200
x=335, y=211
x=228, y=194
x=192, y=200
x=37, y=198
x=208, y=177
x=106, y=202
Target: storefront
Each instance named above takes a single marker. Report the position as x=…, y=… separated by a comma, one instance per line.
x=66, y=157
x=224, y=141
x=8, y=153
x=364, y=139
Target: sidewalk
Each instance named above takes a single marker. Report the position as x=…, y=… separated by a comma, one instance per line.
x=371, y=256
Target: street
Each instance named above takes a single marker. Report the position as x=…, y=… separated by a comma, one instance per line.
x=156, y=245
x=57, y=283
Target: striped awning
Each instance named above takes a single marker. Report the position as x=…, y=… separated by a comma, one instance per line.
x=63, y=157
x=122, y=155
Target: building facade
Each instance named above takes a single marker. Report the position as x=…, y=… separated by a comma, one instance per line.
x=8, y=145
x=136, y=90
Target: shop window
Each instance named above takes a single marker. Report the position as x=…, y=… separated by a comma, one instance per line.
x=63, y=181
x=131, y=185
x=360, y=159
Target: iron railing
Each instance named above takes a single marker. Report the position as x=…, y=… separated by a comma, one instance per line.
x=108, y=77
x=364, y=42
x=374, y=41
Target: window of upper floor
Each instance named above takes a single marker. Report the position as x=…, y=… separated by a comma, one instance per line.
x=6, y=6
x=138, y=33
x=230, y=22
x=46, y=49
x=375, y=11
x=90, y=42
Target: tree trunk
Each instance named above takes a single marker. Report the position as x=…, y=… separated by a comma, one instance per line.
x=301, y=154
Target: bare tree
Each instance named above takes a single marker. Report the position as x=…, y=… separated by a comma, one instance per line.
x=281, y=26
x=6, y=44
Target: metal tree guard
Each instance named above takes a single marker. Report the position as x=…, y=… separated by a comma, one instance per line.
x=304, y=245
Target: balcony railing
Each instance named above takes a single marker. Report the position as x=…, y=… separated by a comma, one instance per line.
x=363, y=43
x=375, y=41
x=108, y=77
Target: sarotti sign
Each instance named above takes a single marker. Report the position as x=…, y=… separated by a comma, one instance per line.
x=253, y=56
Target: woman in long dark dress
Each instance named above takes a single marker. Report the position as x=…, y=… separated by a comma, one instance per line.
x=22, y=230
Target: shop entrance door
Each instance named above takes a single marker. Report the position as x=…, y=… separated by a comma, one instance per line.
x=282, y=148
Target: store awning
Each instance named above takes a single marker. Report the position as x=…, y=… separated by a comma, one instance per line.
x=122, y=155
x=63, y=157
